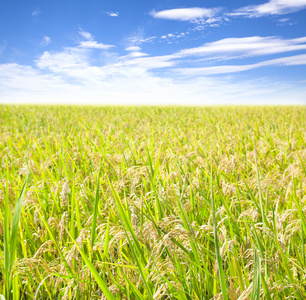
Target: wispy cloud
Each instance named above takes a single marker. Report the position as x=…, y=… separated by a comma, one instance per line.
x=90, y=43
x=214, y=52
x=117, y=85
x=112, y=14
x=86, y=35
x=133, y=48
x=137, y=54
x=223, y=50
x=246, y=46
x=139, y=37
x=273, y=7
x=45, y=41
x=186, y=14
x=72, y=76
x=135, y=51
x=213, y=17
x=149, y=63
x=36, y=12
x=94, y=45
x=283, y=61
x=200, y=17
x=63, y=61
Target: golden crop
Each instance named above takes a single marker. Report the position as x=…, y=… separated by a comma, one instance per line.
x=152, y=202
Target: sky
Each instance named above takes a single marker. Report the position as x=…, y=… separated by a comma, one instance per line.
x=195, y=52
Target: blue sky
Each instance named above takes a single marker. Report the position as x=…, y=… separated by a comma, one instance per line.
x=153, y=52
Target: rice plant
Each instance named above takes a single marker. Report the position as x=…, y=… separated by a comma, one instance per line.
x=152, y=202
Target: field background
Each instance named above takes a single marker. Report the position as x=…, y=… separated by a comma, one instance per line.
x=152, y=202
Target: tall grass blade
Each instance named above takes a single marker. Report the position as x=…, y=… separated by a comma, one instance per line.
x=94, y=272
x=15, y=223
x=95, y=212
x=57, y=245
x=219, y=260
x=6, y=237
x=106, y=240
x=11, y=242
x=256, y=278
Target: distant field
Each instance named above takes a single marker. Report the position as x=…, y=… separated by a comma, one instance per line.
x=152, y=202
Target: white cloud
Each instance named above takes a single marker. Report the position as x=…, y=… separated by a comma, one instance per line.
x=131, y=85
x=94, y=45
x=45, y=41
x=69, y=76
x=186, y=14
x=213, y=70
x=69, y=59
x=140, y=39
x=112, y=14
x=90, y=43
x=246, y=46
x=286, y=61
x=225, y=49
x=273, y=7
x=86, y=35
x=283, y=20
x=149, y=63
x=133, y=48
x=137, y=54
x=135, y=51
x=283, y=61
x=36, y=12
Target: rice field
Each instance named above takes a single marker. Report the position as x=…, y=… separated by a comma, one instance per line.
x=152, y=202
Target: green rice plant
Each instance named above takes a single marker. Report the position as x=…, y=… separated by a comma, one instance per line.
x=152, y=202
x=94, y=273
x=256, y=279
x=219, y=260
x=11, y=282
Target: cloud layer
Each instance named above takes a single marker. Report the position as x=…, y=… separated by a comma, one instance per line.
x=94, y=72
x=72, y=76
x=110, y=85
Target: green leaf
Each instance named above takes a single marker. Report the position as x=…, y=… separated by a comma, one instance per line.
x=106, y=240
x=219, y=259
x=15, y=223
x=94, y=272
x=95, y=212
x=256, y=278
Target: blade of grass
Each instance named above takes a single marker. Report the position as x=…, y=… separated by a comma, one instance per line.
x=94, y=272
x=56, y=245
x=6, y=236
x=14, y=230
x=140, y=267
x=256, y=278
x=95, y=212
x=10, y=243
x=106, y=240
x=219, y=260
